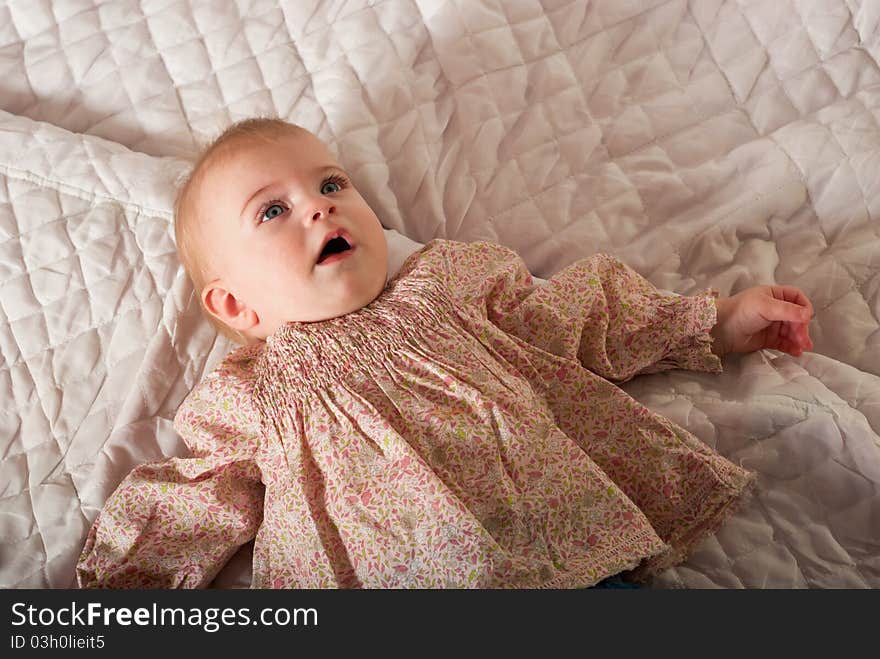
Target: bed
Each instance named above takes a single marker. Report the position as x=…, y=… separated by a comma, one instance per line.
x=719, y=143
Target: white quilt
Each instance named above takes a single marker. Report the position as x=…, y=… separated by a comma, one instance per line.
x=706, y=143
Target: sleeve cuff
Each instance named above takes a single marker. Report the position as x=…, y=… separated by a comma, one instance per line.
x=692, y=350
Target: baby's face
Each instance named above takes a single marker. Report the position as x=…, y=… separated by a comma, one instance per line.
x=287, y=234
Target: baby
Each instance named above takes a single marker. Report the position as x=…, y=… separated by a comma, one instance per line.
x=456, y=426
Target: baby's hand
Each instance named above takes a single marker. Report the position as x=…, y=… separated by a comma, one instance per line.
x=775, y=317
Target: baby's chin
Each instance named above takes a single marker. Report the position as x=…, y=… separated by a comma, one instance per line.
x=351, y=294
x=344, y=308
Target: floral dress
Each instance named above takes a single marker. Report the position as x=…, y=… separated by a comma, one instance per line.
x=461, y=430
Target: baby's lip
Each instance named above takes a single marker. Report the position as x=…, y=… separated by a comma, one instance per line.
x=335, y=233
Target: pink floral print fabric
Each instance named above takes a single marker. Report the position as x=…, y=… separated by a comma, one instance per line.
x=462, y=430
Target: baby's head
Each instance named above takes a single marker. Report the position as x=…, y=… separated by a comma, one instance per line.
x=270, y=229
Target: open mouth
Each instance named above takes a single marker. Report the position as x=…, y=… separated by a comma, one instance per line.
x=333, y=248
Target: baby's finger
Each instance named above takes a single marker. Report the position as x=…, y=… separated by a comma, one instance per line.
x=775, y=309
x=771, y=336
x=797, y=337
x=804, y=336
x=784, y=345
x=794, y=295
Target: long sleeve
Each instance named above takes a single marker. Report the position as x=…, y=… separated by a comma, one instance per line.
x=174, y=524
x=597, y=310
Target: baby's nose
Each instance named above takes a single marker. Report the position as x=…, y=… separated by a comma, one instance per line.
x=323, y=211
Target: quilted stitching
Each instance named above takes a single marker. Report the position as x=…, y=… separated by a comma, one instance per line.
x=801, y=522
x=86, y=280
x=724, y=142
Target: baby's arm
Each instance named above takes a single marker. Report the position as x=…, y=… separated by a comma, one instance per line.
x=597, y=311
x=175, y=524
x=612, y=320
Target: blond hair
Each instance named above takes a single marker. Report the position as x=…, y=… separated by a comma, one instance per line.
x=186, y=211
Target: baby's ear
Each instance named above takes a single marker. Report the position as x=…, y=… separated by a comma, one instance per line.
x=229, y=310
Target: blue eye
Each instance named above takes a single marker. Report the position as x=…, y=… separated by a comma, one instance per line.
x=271, y=212
x=330, y=187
